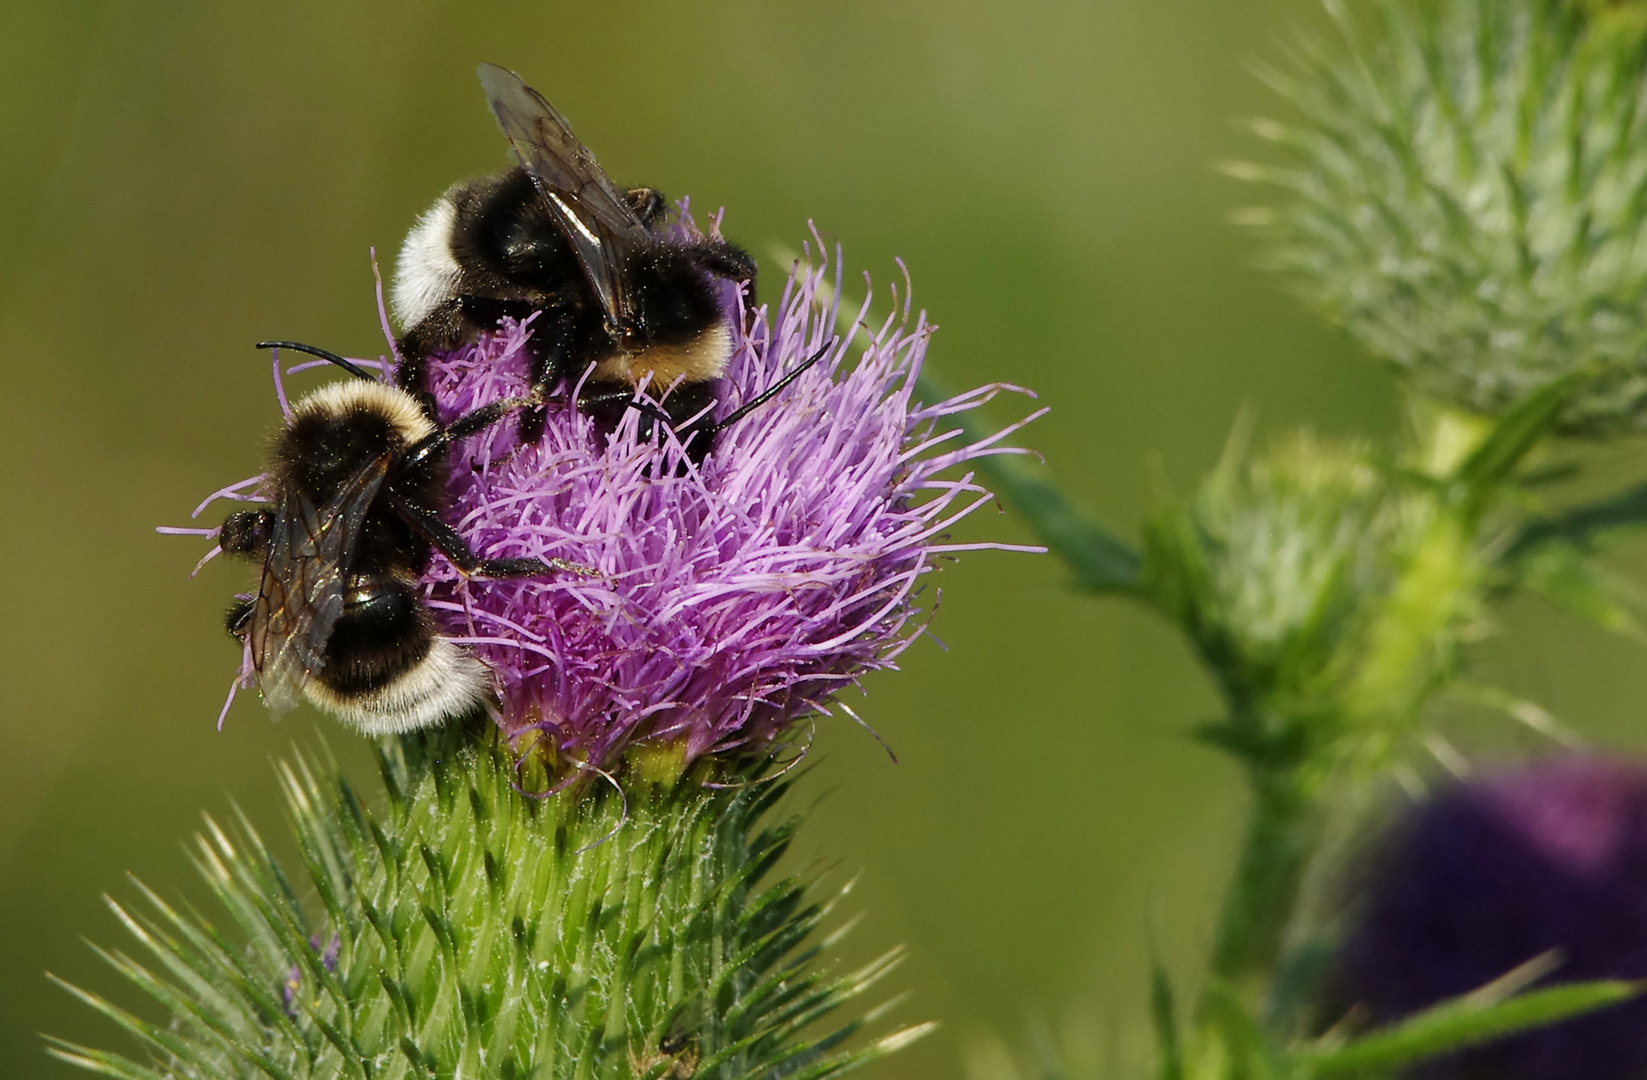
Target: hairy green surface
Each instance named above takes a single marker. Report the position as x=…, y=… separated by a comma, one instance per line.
x=472, y=930
x=1275, y=570
x=1465, y=188
x=1329, y=591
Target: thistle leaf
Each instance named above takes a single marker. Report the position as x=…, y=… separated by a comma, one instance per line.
x=1521, y=428
x=1462, y=1022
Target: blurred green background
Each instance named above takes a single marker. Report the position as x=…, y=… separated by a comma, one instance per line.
x=179, y=180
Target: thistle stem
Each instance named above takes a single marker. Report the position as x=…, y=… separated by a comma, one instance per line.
x=1283, y=830
x=1405, y=656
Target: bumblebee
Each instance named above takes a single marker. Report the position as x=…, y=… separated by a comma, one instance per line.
x=358, y=478
x=615, y=297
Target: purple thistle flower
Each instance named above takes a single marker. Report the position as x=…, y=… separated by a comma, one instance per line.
x=1494, y=873
x=735, y=597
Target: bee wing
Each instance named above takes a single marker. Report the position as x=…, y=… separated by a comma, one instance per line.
x=301, y=595
x=590, y=209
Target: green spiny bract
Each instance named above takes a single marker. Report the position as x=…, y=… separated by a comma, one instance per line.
x=472, y=930
x=1276, y=570
x=1466, y=192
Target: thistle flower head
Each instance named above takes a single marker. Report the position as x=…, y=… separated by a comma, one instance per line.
x=732, y=596
x=1464, y=189
x=458, y=927
x=1494, y=873
x=1274, y=569
x=1293, y=540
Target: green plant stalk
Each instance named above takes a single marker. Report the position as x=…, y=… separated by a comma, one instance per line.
x=1408, y=654
x=1284, y=829
x=1409, y=647
x=472, y=930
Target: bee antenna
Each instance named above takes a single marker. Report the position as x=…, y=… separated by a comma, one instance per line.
x=297, y=346
x=774, y=390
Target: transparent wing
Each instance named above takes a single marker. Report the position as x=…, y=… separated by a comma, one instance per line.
x=301, y=596
x=589, y=208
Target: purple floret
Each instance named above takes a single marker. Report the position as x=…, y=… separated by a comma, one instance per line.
x=1494, y=873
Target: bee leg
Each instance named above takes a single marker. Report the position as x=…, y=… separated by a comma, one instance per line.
x=445, y=539
x=685, y=411
x=691, y=408
x=647, y=203
x=419, y=454
x=608, y=401
x=551, y=346
x=478, y=420
x=246, y=532
x=438, y=331
x=453, y=323
x=770, y=392
x=238, y=619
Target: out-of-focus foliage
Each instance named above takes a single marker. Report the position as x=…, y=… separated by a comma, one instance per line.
x=1275, y=570
x=1464, y=188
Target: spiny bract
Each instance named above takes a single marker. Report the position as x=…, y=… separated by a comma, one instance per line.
x=1465, y=189
x=475, y=931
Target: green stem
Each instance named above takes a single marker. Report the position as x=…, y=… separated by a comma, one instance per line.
x=1283, y=828
x=1405, y=654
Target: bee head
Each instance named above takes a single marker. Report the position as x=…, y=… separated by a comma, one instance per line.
x=246, y=532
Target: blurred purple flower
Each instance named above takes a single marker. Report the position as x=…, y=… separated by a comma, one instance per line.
x=294, y=974
x=735, y=597
x=1493, y=873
